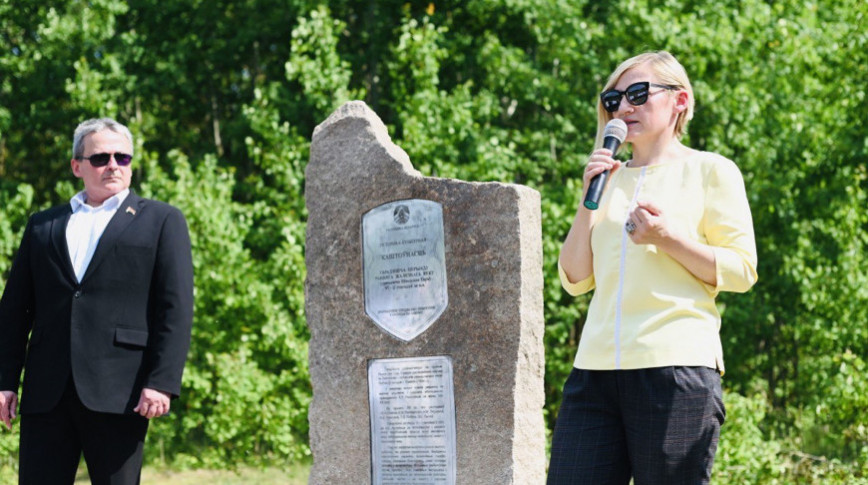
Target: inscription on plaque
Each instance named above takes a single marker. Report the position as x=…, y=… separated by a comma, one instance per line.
x=412, y=406
x=404, y=266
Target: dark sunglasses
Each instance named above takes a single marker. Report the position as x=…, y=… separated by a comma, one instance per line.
x=103, y=159
x=637, y=94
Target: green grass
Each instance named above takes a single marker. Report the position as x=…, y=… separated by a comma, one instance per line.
x=295, y=475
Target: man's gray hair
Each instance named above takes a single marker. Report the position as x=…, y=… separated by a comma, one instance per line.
x=94, y=125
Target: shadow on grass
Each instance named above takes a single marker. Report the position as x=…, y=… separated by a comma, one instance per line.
x=294, y=475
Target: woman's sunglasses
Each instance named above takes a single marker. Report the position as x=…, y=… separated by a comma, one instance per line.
x=637, y=94
x=103, y=159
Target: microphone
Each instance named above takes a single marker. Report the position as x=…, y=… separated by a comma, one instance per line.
x=613, y=135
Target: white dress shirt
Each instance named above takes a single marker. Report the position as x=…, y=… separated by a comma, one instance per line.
x=86, y=226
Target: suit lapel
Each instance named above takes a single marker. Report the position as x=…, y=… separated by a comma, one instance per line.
x=116, y=226
x=58, y=241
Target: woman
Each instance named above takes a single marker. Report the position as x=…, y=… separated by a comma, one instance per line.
x=672, y=230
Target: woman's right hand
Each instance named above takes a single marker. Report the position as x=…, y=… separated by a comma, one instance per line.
x=576, y=257
x=599, y=161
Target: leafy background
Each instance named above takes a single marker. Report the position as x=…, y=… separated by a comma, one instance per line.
x=223, y=96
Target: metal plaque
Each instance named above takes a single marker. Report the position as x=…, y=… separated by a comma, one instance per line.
x=412, y=421
x=404, y=266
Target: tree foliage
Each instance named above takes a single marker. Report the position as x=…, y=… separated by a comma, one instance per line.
x=223, y=97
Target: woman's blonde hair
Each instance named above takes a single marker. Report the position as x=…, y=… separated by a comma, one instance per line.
x=668, y=71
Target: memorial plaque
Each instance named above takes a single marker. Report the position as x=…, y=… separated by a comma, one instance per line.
x=412, y=406
x=404, y=266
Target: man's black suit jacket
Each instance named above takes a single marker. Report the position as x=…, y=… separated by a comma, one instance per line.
x=125, y=326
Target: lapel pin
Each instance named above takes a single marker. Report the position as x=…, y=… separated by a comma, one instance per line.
x=130, y=210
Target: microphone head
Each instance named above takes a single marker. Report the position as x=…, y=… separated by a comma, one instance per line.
x=616, y=128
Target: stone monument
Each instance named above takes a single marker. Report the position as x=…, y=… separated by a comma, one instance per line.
x=424, y=301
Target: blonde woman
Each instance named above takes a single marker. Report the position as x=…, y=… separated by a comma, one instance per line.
x=673, y=229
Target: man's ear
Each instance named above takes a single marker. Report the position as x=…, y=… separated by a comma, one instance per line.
x=76, y=168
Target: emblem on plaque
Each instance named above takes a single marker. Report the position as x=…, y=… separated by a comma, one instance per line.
x=402, y=214
x=404, y=266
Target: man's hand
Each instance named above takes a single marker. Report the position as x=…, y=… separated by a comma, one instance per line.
x=153, y=403
x=8, y=403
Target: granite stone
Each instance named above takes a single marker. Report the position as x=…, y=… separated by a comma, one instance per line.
x=492, y=328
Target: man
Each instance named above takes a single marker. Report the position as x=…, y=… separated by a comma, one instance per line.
x=103, y=286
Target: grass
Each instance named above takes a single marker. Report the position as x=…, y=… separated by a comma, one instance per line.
x=295, y=475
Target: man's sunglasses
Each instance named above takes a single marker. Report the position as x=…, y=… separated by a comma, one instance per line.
x=103, y=159
x=637, y=94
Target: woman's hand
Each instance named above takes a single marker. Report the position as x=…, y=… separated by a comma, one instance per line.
x=576, y=257
x=599, y=161
x=650, y=224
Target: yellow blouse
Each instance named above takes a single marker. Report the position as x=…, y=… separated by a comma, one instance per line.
x=648, y=310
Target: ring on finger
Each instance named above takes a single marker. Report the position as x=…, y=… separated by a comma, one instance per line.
x=629, y=227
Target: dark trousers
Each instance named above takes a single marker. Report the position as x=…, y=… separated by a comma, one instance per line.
x=52, y=444
x=659, y=426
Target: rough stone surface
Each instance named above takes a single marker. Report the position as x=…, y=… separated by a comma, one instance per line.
x=492, y=328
